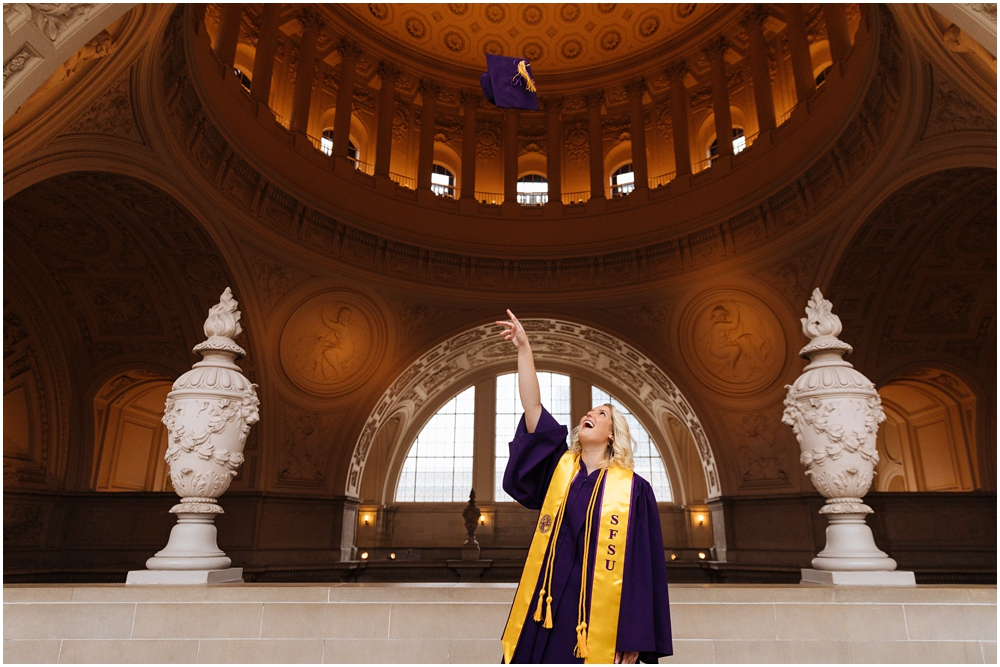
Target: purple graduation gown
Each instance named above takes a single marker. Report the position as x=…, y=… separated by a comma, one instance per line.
x=644, y=618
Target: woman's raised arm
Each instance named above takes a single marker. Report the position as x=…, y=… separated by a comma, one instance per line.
x=527, y=379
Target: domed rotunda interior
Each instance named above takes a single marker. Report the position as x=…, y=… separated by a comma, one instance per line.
x=659, y=224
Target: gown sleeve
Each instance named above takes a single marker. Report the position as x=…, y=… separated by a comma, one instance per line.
x=644, y=623
x=533, y=459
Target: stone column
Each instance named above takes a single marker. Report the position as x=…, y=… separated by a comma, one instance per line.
x=835, y=413
x=798, y=46
x=637, y=130
x=837, y=32
x=554, y=148
x=386, y=105
x=716, y=53
x=425, y=157
x=305, y=71
x=349, y=54
x=470, y=106
x=760, y=69
x=228, y=36
x=595, y=136
x=208, y=415
x=267, y=47
x=679, y=118
x=510, y=117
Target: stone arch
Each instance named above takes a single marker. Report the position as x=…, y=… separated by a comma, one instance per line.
x=928, y=442
x=559, y=346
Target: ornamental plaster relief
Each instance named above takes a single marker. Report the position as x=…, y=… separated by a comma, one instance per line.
x=732, y=342
x=952, y=110
x=331, y=343
x=765, y=451
x=111, y=114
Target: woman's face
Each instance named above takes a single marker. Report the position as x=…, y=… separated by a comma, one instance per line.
x=596, y=427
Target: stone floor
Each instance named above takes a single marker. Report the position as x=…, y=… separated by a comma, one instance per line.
x=369, y=623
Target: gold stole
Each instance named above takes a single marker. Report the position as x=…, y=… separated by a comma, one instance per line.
x=609, y=560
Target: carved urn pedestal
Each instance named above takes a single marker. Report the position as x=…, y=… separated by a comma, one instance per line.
x=835, y=413
x=208, y=416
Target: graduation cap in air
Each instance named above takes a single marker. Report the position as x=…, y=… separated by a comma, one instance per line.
x=508, y=83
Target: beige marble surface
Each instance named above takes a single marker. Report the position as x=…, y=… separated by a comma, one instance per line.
x=358, y=623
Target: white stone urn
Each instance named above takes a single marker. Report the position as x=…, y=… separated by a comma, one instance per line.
x=835, y=413
x=208, y=416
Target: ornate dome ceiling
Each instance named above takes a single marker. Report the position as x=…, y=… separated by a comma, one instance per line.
x=563, y=38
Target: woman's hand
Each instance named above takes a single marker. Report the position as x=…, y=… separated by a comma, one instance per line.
x=513, y=331
x=626, y=657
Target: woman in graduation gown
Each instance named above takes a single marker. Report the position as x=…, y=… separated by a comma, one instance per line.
x=594, y=586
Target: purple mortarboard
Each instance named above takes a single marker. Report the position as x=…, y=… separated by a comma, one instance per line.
x=508, y=83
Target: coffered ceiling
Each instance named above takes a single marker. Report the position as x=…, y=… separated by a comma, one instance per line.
x=559, y=38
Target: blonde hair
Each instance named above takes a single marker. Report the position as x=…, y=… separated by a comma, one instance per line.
x=619, y=451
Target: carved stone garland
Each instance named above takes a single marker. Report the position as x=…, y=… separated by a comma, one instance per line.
x=208, y=416
x=835, y=413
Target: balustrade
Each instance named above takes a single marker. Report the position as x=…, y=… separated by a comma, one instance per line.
x=679, y=133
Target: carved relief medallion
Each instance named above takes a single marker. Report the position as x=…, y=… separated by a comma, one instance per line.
x=330, y=343
x=732, y=342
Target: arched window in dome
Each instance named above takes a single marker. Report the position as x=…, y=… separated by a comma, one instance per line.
x=244, y=79
x=622, y=181
x=555, y=397
x=739, y=143
x=326, y=145
x=532, y=189
x=438, y=467
x=648, y=462
x=821, y=77
x=442, y=181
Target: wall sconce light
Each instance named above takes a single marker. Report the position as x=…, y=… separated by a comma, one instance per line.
x=482, y=519
x=701, y=519
x=701, y=555
x=392, y=556
x=673, y=556
x=364, y=555
x=367, y=519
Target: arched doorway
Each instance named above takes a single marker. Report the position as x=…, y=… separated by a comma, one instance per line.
x=928, y=441
x=129, y=439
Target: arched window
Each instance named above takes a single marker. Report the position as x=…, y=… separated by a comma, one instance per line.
x=532, y=189
x=821, y=77
x=442, y=181
x=326, y=145
x=739, y=143
x=555, y=397
x=439, y=464
x=648, y=462
x=244, y=79
x=622, y=181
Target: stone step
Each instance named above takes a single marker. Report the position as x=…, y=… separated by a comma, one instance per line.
x=387, y=623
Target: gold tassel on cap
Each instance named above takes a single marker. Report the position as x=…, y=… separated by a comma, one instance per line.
x=522, y=69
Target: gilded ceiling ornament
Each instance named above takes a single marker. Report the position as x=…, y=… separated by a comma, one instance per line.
x=378, y=10
x=458, y=9
x=532, y=51
x=570, y=13
x=571, y=49
x=611, y=40
x=648, y=26
x=454, y=42
x=532, y=14
x=685, y=10
x=495, y=13
x=493, y=47
x=606, y=7
x=415, y=27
